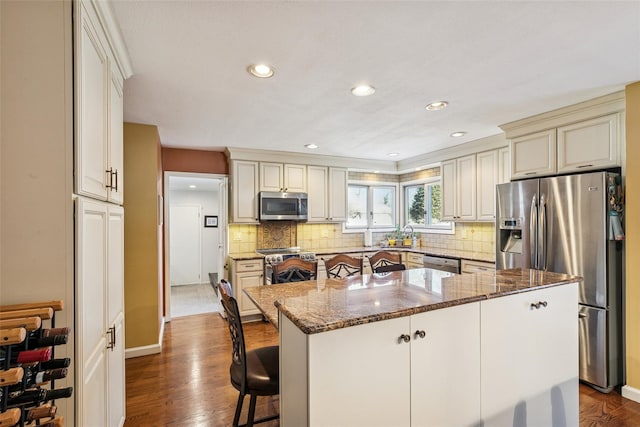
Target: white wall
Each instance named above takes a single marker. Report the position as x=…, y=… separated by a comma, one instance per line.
x=210, y=202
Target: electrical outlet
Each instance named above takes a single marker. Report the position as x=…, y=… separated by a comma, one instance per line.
x=324, y=233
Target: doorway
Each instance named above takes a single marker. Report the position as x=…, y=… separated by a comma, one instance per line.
x=195, y=242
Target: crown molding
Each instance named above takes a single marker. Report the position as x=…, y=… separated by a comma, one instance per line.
x=114, y=36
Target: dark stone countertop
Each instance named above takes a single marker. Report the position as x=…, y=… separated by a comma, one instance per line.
x=328, y=304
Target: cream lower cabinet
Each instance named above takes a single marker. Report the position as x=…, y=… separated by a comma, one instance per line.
x=247, y=274
x=469, y=267
x=413, y=259
x=378, y=379
x=100, y=376
x=529, y=363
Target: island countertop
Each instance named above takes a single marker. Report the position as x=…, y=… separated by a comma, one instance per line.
x=327, y=304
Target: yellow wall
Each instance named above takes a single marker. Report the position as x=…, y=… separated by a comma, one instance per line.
x=142, y=281
x=632, y=224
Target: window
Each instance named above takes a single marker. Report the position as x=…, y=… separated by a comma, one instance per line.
x=371, y=206
x=422, y=208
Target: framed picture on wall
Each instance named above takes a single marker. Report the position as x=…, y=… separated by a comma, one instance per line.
x=210, y=221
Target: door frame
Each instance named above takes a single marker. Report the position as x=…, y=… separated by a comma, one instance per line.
x=223, y=234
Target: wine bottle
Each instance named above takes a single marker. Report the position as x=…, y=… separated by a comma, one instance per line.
x=26, y=356
x=55, y=331
x=33, y=376
x=41, y=412
x=55, y=364
x=37, y=396
x=37, y=342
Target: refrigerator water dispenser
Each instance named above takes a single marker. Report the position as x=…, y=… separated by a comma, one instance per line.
x=511, y=235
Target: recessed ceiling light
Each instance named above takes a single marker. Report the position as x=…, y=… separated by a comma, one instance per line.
x=260, y=70
x=438, y=105
x=392, y=154
x=311, y=146
x=363, y=90
x=458, y=134
x=192, y=186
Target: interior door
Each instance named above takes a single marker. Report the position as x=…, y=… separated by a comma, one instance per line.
x=185, y=245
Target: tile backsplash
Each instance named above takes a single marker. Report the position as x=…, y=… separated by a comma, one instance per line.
x=478, y=237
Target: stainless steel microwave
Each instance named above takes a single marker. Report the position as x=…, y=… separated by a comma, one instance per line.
x=279, y=206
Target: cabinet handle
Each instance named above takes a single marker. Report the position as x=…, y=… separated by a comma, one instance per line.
x=404, y=338
x=112, y=337
x=584, y=166
x=420, y=334
x=530, y=173
x=538, y=304
x=116, y=186
x=110, y=172
x=581, y=315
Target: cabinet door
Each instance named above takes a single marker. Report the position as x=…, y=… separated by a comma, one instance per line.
x=244, y=183
x=116, y=159
x=466, y=188
x=448, y=173
x=245, y=280
x=359, y=376
x=115, y=316
x=530, y=356
x=592, y=144
x=271, y=177
x=91, y=293
x=504, y=162
x=445, y=365
x=295, y=178
x=337, y=196
x=487, y=164
x=91, y=108
x=317, y=184
x=533, y=155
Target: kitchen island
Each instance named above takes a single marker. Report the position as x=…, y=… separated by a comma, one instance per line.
x=423, y=347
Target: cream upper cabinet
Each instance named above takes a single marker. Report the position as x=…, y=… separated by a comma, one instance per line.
x=244, y=191
x=283, y=177
x=488, y=172
x=504, y=160
x=327, y=198
x=459, y=189
x=533, y=155
x=448, y=176
x=592, y=144
x=98, y=112
x=338, y=194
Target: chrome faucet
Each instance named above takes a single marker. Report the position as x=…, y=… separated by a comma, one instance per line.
x=404, y=230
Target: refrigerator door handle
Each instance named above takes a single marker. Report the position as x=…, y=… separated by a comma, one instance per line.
x=542, y=237
x=533, y=231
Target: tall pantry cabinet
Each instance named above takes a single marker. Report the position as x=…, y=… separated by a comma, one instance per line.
x=101, y=66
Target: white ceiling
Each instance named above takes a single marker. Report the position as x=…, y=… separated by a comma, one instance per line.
x=494, y=62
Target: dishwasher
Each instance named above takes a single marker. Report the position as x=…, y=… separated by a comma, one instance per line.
x=443, y=264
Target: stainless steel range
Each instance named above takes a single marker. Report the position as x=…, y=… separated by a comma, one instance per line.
x=277, y=255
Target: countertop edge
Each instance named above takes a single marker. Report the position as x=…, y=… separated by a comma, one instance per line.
x=310, y=330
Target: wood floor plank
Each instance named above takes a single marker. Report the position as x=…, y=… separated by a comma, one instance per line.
x=188, y=384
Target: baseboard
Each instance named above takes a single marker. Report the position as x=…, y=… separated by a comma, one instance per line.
x=146, y=349
x=631, y=393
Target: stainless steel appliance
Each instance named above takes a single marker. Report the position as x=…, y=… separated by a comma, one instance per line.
x=443, y=264
x=278, y=206
x=561, y=224
x=277, y=255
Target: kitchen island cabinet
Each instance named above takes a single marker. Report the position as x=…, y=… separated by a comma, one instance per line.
x=355, y=352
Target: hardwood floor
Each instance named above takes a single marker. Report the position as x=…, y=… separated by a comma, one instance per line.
x=188, y=384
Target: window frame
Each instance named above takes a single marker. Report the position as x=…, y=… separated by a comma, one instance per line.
x=449, y=228
x=396, y=208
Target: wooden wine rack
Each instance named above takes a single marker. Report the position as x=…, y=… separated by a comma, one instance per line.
x=18, y=322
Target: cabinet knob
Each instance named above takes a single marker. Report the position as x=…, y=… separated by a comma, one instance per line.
x=538, y=304
x=420, y=334
x=404, y=338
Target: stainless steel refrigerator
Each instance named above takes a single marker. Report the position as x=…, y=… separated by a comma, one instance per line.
x=562, y=224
